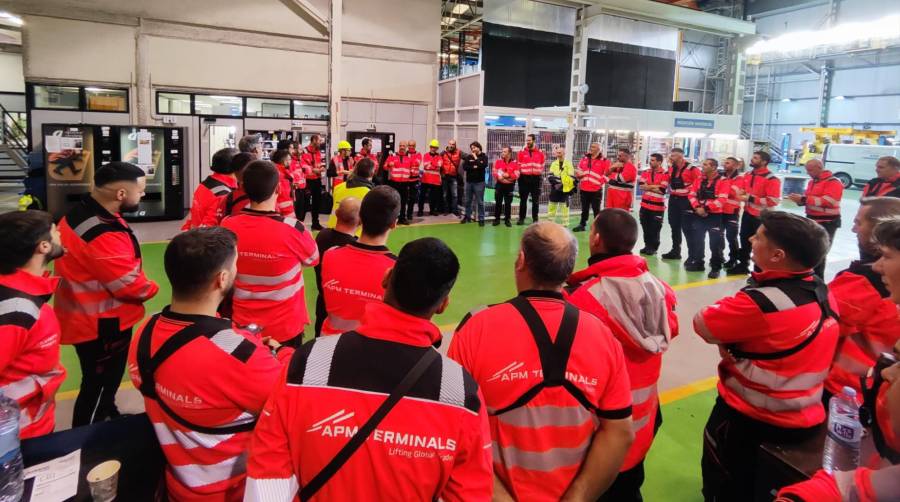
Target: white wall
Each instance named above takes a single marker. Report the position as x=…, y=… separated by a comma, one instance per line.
x=11, y=79
x=407, y=121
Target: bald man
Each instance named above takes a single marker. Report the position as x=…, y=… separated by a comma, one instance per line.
x=344, y=232
x=504, y=348
x=822, y=201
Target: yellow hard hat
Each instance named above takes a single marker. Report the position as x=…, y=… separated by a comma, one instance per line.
x=435, y=143
x=344, y=145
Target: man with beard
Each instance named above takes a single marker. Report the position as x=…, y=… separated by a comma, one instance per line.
x=30, y=372
x=103, y=288
x=452, y=181
x=204, y=378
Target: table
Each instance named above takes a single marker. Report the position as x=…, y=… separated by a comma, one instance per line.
x=130, y=440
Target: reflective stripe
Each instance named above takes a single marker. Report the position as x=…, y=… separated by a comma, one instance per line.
x=872, y=346
x=318, y=364
x=227, y=340
x=824, y=210
x=23, y=305
x=779, y=299
x=641, y=422
x=542, y=461
x=286, y=203
x=624, y=189
x=271, y=490
x=82, y=287
x=452, y=385
x=196, y=475
x=772, y=380
x=703, y=330
x=274, y=295
x=640, y=396
x=188, y=439
x=124, y=281
x=268, y=280
x=534, y=417
x=28, y=385
x=86, y=225
x=851, y=365
x=339, y=325
x=26, y=419
x=831, y=200
x=96, y=308
x=220, y=190
x=773, y=404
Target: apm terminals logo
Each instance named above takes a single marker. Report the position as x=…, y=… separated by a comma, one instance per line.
x=334, y=426
x=511, y=371
x=332, y=421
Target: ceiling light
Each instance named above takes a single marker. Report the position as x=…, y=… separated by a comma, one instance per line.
x=881, y=29
x=96, y=89
x=454, y=46
x=491, y=117
x=786, y=100
x=840, y=98
x=600, y=131
x=723, y=136
x=692, y=135
x=536, y=119
x=10, y=18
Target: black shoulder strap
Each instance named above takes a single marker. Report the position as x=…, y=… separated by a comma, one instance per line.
x=414, y=375
x=147, y=366
x=554, y=356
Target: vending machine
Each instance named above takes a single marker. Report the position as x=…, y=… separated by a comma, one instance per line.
x=72, y=153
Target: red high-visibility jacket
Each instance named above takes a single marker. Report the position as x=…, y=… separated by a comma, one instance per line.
x=862, y=485
x=341, y=168
x=415, y=169
x=351, y=279
x=681, y=179
x=297, y=172
x=732, y=203
x=509, y=168
x=870, y=325
x=232, y=204
x=540, y=447
x=823, y=198
x=207, y=199
x=451, y=163
x=594, y=170
x=620, y=188
x=102, y=276
x=433, y=163
x=268, y=291
x=284, y=204
x=217, y=380
x=877, y=187
x=363, y=154
x=435, y=443
x=400, y=166
x=30, y=372
x=311, y=159
x=764, y=189
x=653, y=201
x=711, y=195
x=531, y=162
x=773, y=316
x=640, y=310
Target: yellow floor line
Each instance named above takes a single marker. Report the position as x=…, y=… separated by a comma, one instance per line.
x=687, y=390
x=707, y=282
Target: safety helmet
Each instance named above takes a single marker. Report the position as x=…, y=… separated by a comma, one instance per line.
x=344, y=145
x=435, y=143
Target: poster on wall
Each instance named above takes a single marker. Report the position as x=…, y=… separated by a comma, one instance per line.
x=70, y=160
x=143, y=148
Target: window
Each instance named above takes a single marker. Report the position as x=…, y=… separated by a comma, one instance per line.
x=106, y=100
x=268, y=107
x=57, y=97
x=173, y=103
x=226, y=106
x=310, y=110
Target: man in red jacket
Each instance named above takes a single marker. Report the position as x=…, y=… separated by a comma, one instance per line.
x=399, y=167
x=103, y=288
x=30, y=372
x=654, y=182
x=209, y=194
x=639, y=309
x=822, y=201
x=708, y=196
x=352, y=274
x=732, y=211
x=237, y=199
x=554, y=380
x=506, y=172
x=759, y=189
x=869, y=321
x=203, y=378
x=621, y=175
x=314, y=169
x=427, y=440
x=681, y=176
x=531, y=169
x=887, y=180
x=432, y=162
x=591, y=173
x=272, y=252
x=452, y=178
x=774, y=365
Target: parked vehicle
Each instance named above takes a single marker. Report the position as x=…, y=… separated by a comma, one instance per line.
x=855, y=164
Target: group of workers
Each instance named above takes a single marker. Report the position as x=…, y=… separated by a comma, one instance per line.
x=549, y=395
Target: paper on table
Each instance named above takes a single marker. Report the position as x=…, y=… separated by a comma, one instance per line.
x=55, y=480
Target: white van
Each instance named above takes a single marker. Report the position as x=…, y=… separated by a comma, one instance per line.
x=855, y=164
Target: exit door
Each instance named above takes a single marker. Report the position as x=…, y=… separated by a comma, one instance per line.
x=214, y=136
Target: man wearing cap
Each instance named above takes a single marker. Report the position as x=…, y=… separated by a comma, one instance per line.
x=341, y=165
x=432, y=162
x=103, y=288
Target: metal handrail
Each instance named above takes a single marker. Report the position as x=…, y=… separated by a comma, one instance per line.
x=13, y=135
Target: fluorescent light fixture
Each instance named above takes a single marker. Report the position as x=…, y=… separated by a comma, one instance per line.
x=460, y=8
x=536, y=119
x=227, y=98
x=623, y=131
x=692, y=135
x=885, y=28
x=723, y=136
x=491, y=117
x=454, y=46
x=600, y=131
x=10, y=18
x=786, y=100
x=96, y=89
x=655, y=134
x=840, y=98
x=521, y=119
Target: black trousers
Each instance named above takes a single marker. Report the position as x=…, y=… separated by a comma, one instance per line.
x=529, y=186
x=711, y=224
x=730, y=221
x=651, y=226
x=406, y=203
x=679, y=220
x=102, y=364
x=503, y=196
x=301, y=196
x=730, y=447
x=627, y=486
x=315, y=192
x=590, y=201
x=434, y=195
x=749, y=225
x=831, y=228
x=460, y=192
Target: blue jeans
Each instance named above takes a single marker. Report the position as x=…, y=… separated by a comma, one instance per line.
x=475, y=189
x=699, y=227
x=450, y=195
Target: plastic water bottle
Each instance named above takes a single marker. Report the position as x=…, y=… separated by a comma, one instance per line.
x=11, y=466
x=844, y=433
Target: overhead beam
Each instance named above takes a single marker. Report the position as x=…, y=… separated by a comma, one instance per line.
x=310, y=13
x=454, y=30
x=671, y=15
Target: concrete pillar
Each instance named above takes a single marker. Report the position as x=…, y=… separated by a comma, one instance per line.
x=143, y=96
x=335, y=70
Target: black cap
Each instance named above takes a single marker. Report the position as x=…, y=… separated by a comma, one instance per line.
x=117, y=171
